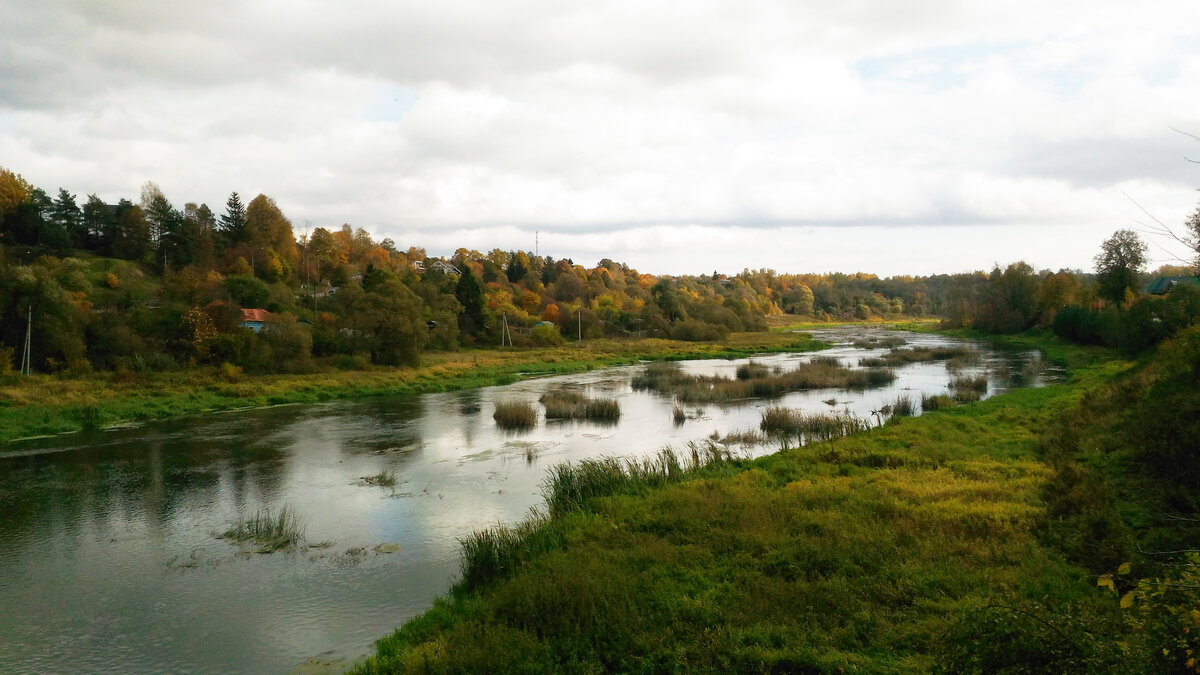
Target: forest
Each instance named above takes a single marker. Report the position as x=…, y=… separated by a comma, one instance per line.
x=147, y=286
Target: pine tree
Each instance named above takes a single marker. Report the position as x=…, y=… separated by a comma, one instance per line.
x=233, y=221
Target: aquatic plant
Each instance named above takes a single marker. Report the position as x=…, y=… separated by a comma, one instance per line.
x=385, y=478
x=515, y=415
x=898, y=357
x=566, y=404
x=751, y=370
x=936, y=402
x=820, y=373
x=903, y=407
x=788, y=422
x=269, y=530
x=969, y=388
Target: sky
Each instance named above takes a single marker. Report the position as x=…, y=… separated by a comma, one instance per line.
x=892, y=137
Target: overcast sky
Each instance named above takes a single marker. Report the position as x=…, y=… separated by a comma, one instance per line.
x=895, y=137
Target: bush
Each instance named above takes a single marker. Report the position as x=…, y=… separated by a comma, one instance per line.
x=546, y=335
x=692, y=330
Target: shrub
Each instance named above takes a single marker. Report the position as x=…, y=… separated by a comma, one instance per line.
x=547, y=335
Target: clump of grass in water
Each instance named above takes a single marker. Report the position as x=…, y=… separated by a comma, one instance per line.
x=898, y=357
x=787, y=422
x=957, y=363
x=969, y=387
x=515, y=415
x=903, y=407
x=563, y=404
x=872, y=362
x=821, y=373
x=270, y=531
x=678, y=413
x=385, y=478
x=751, y=370
x=936, y=402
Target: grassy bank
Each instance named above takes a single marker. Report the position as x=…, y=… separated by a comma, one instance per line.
x=45, y=404
x=916, y=547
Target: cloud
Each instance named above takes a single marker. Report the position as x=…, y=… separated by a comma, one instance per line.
x=594, y=122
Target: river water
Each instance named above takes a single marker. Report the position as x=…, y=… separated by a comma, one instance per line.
x=110, y=558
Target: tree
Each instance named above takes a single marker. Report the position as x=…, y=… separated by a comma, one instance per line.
x=469, y=294
x=1192, y=237
x=272, y=242
x=1118, y=264
x=131, y=233
x=65, y=215
x=98, y=225
x=167, y=228
x=13, y=190
x=233, y=221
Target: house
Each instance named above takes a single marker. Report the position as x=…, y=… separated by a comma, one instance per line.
x=255, y=319
x=443, y=267
x=1163, y=285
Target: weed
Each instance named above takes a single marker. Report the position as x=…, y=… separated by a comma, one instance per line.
x=269, y=531
x=515, y=415
x=565, y=404
x=779, y=421
x=936, y=402
x=821, y=373
x=385, y=478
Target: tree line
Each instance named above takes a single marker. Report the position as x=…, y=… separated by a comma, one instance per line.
x=150, y=286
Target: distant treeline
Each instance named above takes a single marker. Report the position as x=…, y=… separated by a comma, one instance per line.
x=149, y=286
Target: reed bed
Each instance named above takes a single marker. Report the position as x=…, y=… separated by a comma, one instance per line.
x=903, y=407
x=933, y=402
x=825, y=373
x=498, y=551
x=957, y=363
x=977, y=383
x=872, y=362
x=565, y=404
x=808, y=427
x=752, y=370
x=876, y=343
x=572, y=486
x=269, y=530
x=899, y=357
x=515, y=415
x=678, y=414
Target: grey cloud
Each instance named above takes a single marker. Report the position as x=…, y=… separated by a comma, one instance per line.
x=1101, y=162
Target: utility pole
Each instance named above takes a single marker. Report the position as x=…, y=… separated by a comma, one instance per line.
x=536, y=253
x=26, y=355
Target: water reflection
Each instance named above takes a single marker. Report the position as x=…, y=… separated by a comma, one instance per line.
x=109, y=558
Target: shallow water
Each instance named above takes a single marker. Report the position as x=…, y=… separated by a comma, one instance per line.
x=109, y=554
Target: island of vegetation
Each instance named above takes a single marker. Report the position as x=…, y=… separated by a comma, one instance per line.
x=1049, y=529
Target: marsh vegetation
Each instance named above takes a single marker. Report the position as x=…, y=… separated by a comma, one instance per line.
x=756, y=381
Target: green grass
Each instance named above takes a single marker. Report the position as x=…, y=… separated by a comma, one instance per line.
x=913, y=547
x=269, y=531
x=809, y=427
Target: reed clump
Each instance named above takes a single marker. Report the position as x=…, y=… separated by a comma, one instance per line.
x=903, y=407
x=821, y=373
x=752, y=370
x=968, y=388
x=788, y=422
x=385, y=478
x=269, y=530
x=899, y=357
x=936, y=402
x=498, y=551
x=515, y=415
x=571, y=405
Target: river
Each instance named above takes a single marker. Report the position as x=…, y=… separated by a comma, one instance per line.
x=110, y=555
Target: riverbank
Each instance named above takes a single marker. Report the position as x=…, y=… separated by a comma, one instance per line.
x=917, y=546
x=46, y=404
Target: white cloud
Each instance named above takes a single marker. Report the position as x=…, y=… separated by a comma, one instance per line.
x=672, y=136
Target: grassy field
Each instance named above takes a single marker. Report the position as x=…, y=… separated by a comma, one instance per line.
x=915, y=547
x=44, y=404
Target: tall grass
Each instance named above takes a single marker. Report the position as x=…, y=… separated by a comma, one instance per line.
x=270, y=531
x=566, y=404
x=751, y=370
x=497, y=551
x=969, y=388
x=572, y=486
x=821, y=373
x=931, y=402
x=899, y=357
x=808, y=427
x=515, y=415
x=903, y=407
